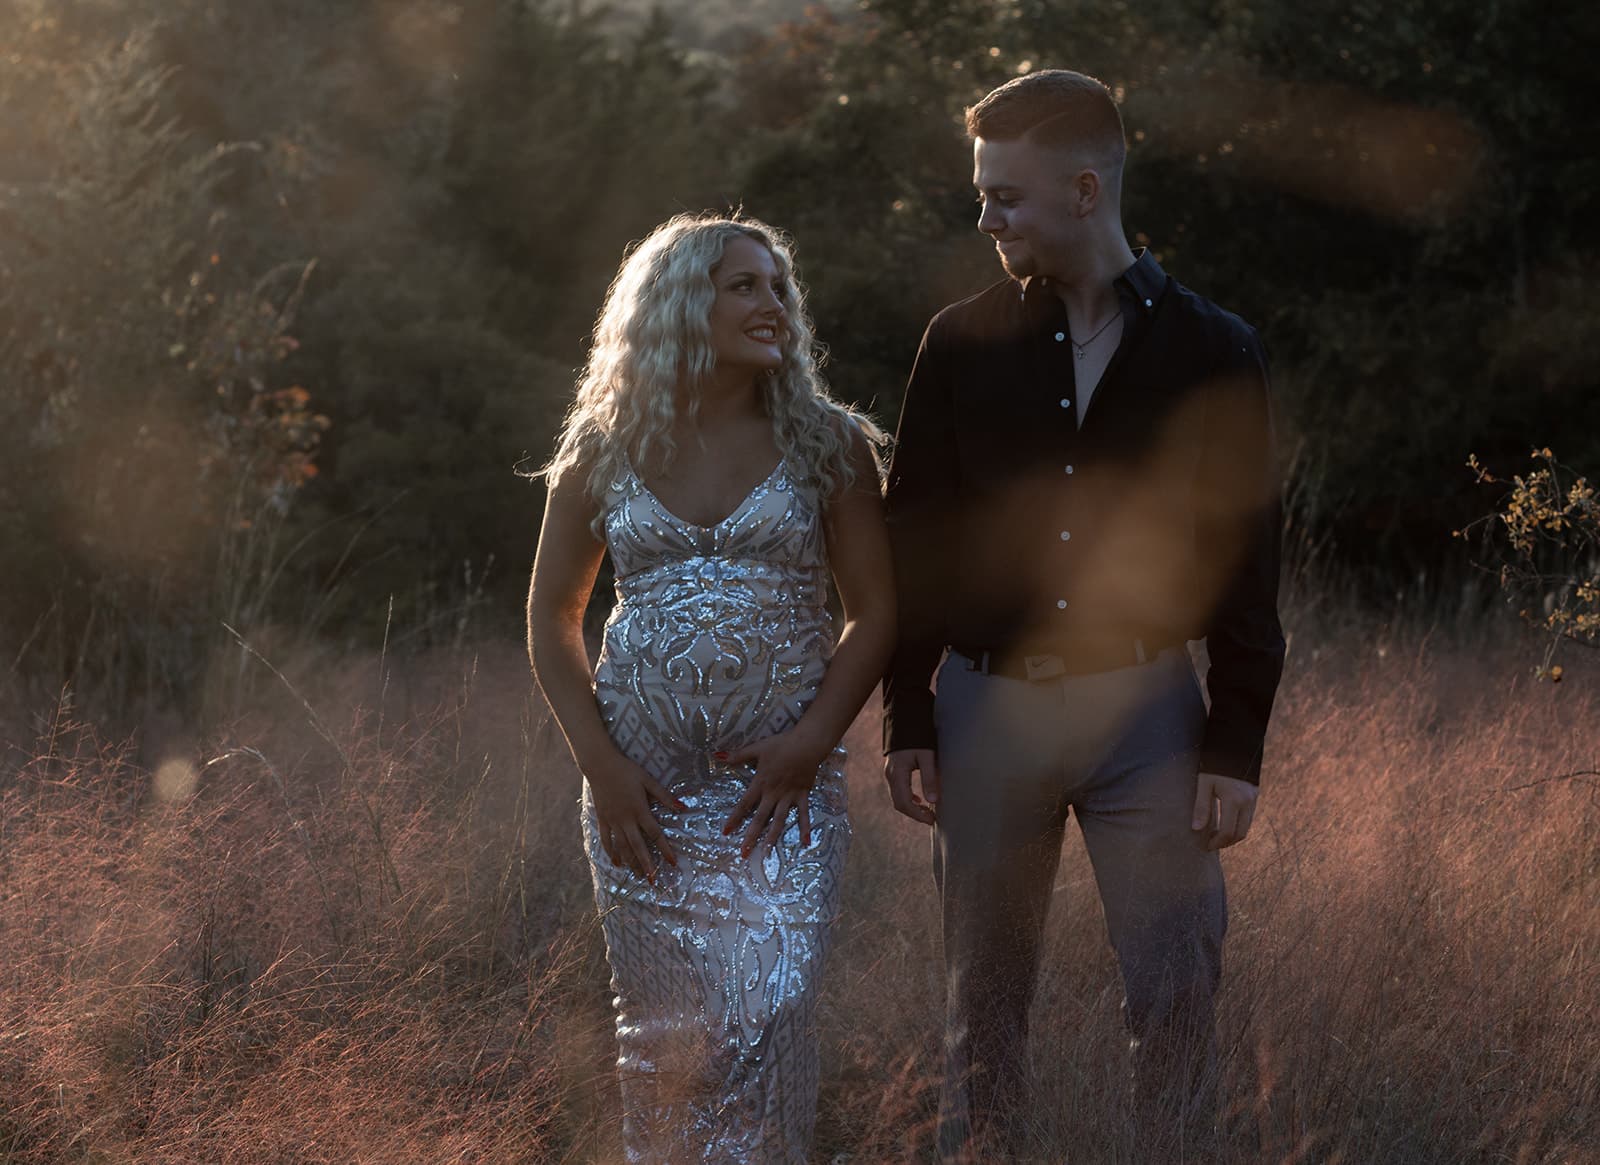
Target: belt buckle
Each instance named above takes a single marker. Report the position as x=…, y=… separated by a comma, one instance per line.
x=1044, y=667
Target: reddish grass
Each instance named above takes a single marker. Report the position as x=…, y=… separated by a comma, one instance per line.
x=370, y=938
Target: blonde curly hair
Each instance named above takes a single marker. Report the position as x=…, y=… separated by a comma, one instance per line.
x=653, y=335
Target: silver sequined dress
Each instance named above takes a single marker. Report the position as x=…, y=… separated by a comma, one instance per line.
x=719, y=638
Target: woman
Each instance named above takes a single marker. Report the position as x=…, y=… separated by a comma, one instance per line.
x=704, y=453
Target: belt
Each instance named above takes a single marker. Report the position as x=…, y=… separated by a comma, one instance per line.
x=1018, y=665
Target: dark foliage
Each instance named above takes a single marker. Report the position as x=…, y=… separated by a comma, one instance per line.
x=288, y=290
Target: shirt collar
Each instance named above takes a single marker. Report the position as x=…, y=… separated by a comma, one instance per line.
x=1145, y=280
x=1143, y=283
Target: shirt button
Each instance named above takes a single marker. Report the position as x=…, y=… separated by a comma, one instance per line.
x=1069, y=471
x=1060, y=336
x=1149, y=303
x=1066, y=535
x=1065, y=403
x=1061, y=604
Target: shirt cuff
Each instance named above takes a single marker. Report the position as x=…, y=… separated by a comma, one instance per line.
x=908, y=722
x=1231, y=753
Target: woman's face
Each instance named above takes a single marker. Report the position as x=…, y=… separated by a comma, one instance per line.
x=747, y=316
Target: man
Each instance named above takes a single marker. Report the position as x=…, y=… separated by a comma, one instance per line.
x=1083, y=481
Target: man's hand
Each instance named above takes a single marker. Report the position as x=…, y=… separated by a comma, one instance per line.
x=1223, y=807
x=897, y=769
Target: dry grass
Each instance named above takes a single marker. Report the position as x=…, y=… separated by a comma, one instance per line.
x=370, y=939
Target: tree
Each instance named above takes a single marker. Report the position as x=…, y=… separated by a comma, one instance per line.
x=150, y=452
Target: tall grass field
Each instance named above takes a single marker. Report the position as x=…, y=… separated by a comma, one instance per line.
x=355, y=925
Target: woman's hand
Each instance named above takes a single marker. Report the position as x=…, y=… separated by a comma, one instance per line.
x=621, y=792
x=785, y=769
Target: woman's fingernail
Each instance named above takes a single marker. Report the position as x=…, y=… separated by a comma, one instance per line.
x=720, y=755
x=680, y=806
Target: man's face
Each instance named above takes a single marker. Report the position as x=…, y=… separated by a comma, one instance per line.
x=1028, y=205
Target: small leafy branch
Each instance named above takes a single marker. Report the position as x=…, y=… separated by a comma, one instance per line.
x=1545, y=536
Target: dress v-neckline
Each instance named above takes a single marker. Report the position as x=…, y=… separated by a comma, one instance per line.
x=730, y=516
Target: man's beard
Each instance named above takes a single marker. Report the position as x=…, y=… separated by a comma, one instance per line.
x=1019, y=268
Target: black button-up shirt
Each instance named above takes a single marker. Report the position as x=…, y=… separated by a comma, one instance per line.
x=1017, y=530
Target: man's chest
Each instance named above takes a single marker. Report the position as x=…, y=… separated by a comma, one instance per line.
x=1088, y=370
x=1026, y=408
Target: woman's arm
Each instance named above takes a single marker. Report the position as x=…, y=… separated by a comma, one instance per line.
x=564, y=570
x=858, y=551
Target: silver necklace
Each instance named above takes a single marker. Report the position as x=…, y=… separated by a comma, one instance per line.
x=1080, y=349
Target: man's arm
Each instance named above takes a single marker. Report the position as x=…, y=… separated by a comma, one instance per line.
x=919, y=501
x=1241, y=526
x=919, y=506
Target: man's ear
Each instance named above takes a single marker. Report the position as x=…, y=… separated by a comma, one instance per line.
x=1086, y=191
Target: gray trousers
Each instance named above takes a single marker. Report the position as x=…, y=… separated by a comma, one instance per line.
x=1119, y=750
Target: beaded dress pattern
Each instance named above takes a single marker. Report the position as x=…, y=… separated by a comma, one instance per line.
x=719, y=638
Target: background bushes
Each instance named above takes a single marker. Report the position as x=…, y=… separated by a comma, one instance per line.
x=287, y=291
